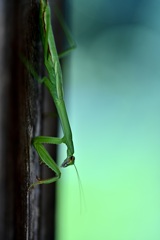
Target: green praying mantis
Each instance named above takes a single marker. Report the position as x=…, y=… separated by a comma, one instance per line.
x=53, y=82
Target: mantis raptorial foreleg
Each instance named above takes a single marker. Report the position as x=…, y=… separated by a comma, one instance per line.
x=53, y=83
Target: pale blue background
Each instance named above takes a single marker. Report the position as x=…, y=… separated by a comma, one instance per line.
x=113, y=100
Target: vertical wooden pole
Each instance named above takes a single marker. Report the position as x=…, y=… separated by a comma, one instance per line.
x=20, y=121
x=23, y=215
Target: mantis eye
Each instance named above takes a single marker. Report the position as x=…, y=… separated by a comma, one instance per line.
x=68, y=161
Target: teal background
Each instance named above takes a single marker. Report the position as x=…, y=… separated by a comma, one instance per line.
x=113, y=101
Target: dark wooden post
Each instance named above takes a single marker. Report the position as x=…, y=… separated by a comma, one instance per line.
x=23, y=215
x=20, y=121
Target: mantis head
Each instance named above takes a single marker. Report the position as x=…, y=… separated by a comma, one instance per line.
x=68, y=161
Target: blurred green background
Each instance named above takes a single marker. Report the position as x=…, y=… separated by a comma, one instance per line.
x=113, y=100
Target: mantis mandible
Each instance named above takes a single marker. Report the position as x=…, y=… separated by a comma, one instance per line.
x=53, y=82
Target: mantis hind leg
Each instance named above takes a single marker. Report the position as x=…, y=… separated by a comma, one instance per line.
x=65, y=28
x=46, y=158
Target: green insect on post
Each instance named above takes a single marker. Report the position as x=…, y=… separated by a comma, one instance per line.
x=53, y=83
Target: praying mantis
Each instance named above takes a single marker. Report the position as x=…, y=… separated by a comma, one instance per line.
x=53, y=82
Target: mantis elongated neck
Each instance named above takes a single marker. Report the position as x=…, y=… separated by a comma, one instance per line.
x=62, y=113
